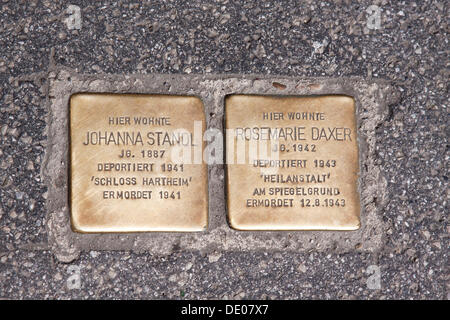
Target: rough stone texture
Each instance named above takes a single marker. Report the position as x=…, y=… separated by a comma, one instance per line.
x=301, y=39
x=371, y=105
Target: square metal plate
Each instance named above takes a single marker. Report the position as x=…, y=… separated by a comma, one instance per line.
x=123, y=174
x=292, y=163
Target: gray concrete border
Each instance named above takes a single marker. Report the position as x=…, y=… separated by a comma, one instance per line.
x=372, y=100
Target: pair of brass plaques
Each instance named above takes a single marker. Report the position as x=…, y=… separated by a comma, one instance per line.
x=140, y=163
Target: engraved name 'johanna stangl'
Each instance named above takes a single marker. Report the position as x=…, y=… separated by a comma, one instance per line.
x=133, y=138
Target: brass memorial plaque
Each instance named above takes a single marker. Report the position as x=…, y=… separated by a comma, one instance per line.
x=136, y=163
x=292, y=163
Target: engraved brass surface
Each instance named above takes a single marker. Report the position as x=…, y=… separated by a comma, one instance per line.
x=127, y=173
x=304, y=172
